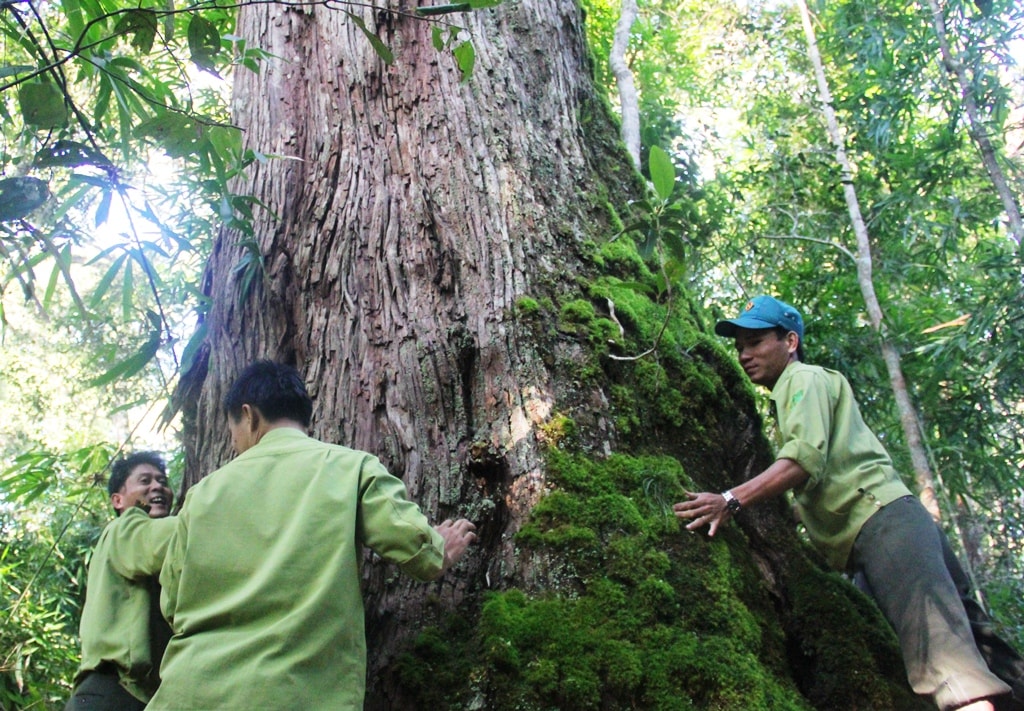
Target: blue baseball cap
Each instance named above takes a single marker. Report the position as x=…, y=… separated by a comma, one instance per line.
x=763, y=312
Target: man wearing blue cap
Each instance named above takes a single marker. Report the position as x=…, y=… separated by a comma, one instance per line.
x=856, y=510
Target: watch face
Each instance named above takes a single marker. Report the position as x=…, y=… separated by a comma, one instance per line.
x=733, y=505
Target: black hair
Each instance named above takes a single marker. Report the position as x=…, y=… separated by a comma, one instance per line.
x=781, y=332
x=122, y=468
x=275, y=389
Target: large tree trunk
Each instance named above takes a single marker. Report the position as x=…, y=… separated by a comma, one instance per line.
x=429, y=265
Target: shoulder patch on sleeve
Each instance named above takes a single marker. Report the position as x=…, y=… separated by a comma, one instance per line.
x=796, y=397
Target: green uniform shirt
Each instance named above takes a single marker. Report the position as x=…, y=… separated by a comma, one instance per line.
x=119, y=623
x=261, y=582
x=850, y=474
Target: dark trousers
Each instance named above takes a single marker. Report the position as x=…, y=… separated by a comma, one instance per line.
x=102, y=691
x=903, y=561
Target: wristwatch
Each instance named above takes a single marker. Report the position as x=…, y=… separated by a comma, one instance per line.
x=731, y=502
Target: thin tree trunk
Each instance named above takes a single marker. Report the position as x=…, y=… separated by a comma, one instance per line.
x=976, y=126
x=908, y=414
x=624, y=79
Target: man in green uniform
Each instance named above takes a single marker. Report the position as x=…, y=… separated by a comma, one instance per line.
x=261, y=583
x=123, y=634
x=855, y=508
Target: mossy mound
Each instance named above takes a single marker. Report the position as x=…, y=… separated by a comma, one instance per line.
x=639, y=615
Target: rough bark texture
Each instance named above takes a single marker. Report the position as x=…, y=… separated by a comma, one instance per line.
x=429, y=267
x=414, y=209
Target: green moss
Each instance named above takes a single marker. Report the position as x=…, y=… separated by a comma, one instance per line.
x=621, y=259
x=578, y=311
x=648, y=616
x=637, y=629
x=526, y=306
x=844, y=630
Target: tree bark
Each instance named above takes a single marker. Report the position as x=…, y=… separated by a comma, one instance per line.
x=890, y=354
x=414, y=209
x=630, y=106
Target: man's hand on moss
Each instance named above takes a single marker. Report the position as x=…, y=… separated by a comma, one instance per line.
x=703, y=509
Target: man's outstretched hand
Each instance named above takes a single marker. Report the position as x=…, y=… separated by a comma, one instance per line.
x=457, y=536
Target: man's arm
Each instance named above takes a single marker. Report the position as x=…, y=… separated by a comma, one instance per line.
x=397, y=530
x=138, y=543
x=706, y=508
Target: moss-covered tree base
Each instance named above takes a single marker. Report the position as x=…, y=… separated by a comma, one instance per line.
x=644, y=615
x=621, y=607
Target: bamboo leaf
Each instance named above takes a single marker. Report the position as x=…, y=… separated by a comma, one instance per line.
x=69, y=154
x=203, y=43
x=434, y=10
x=168, y=21
x=63, y=260
x=12, y=70
x=137, y=361
x=178, y=135
x=103, y=209
x=191, y=350
x=127, y=291
x=378, y=45
x=104, y=284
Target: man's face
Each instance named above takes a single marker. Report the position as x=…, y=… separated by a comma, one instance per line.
x=763, y=355
x=146, y=486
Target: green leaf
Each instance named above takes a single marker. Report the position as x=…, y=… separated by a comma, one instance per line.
x=378, y=45
x=446, y=9
x=69, y=154
x=178, y=135
x=63, y=259
x=203, y=43
x=191, y=350
x=42, y=105
x=127, y=291
x=141, y=24
x=168, y=21
x=138, y=360
x=465, y=57
x=14, y=69
x=104, y=284
x=433, y=10
x=103, y=209
x=663, y=173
